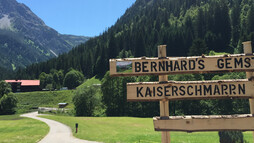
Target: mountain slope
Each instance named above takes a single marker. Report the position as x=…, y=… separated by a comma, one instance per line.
x=221, y=24
x=25, y=39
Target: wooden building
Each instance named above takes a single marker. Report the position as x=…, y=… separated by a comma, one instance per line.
x=24, y=85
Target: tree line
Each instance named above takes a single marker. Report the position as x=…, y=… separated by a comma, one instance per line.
x=114, y=95
x=58, y=79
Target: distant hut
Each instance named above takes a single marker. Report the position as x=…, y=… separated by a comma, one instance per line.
x=24, y=85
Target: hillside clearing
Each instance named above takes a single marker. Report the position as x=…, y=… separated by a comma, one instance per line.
x=28, y=101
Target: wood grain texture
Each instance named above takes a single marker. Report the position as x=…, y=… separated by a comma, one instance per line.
x=184, y=65
x=179, y=90
x=164, y=104
x=247, y=48
x=205, y=123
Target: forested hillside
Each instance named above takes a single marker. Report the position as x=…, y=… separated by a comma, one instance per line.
x=220, y=25
x=6, y=74
x=26, y=39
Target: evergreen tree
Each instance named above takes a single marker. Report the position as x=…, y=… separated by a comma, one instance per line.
x=42, y=78
x=198, y=48
x=222, y=27
x=101, y=64
x=56, y=82
x=200, y=24
x=250, y=19
x=140, y=46
x=61, y=77
x=112, y=49
x=49, y=81
x=235, y=20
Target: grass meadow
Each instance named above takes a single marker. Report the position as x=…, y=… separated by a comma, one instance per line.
x=15, y=129
x=30, y=101
x=131, y=130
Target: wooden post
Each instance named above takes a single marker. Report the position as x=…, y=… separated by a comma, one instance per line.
x=248, y=51
x=164, y=104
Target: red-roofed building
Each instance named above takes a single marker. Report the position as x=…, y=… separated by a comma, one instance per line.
x=24, y=85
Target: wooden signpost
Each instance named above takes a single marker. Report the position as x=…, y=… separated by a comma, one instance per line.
x=164, y=104
x=248, y=51
x=175, y=90
x=165, y=90
x=205, y=123
x=181, y=65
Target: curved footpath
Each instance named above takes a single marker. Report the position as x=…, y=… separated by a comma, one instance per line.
x=59, y=133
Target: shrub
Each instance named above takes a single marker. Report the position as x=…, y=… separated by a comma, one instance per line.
x=231, y=137
x=5, y=88
x=73, y=79
x=7, y=100
x=86, y=100
x=7, y=104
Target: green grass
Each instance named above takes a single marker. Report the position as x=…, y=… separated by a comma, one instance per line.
x=213, y=53
x=90, y=82
x=131, y=130
x=221, y=53
x=32, y=100
x=15, y=129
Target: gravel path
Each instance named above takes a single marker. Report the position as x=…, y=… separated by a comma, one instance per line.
x=59, y=133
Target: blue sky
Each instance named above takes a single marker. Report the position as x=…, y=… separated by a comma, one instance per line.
x=79, y=17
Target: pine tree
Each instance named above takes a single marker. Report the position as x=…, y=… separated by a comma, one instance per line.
x=200, y=24
x=250, y=19
x=198, y=48
x=140, y=46
x=235, y=20
x=112, y=49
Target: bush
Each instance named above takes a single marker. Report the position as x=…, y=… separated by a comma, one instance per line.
x=86, y=99
x=7, y=104
x=5, y=88
x=73, y=79
x=7, y=101
x=231, y=137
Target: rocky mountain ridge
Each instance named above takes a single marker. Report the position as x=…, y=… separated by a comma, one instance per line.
x=26, y=39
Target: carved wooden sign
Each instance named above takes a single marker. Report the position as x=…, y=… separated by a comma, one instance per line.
x=174, y=90
x=204, y=123
x=180, y=65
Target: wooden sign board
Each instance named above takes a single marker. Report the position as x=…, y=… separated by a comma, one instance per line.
x=204, y=123
x=175, y=90
x=178, y=65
